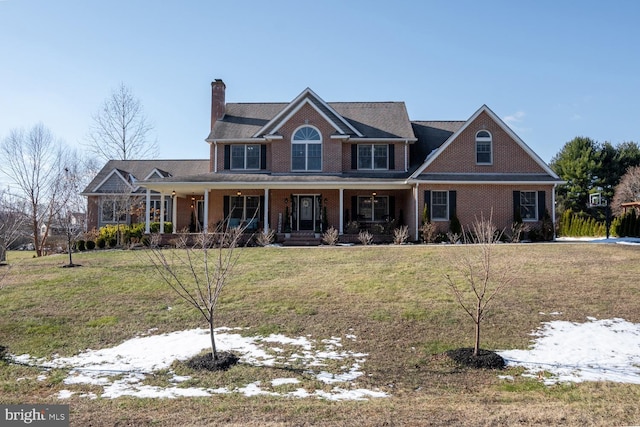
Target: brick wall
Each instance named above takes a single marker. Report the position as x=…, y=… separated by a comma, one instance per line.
x=460, y=156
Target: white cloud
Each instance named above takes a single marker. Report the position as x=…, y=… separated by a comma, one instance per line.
x=516, y=117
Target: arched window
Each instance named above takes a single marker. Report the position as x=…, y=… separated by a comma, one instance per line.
x=484, y=149
x=306, y=150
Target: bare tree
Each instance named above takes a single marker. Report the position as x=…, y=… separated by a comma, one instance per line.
x=12, y=221
x=628, y=190
x=71, y=212
x=120, y=129
x=480, y=277
x=33, y=161
x=199, y=272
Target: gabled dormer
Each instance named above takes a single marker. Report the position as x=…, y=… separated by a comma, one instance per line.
x=309, y=136
x=483, y=145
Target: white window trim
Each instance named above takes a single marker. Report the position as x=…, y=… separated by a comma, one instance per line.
x=373, y=158
x=166, y=210
x=114, y=212
x=306, y=144
x=484, y=140
x=244, y=161
x=387, y=213
x=446, y=217
x=535, y=207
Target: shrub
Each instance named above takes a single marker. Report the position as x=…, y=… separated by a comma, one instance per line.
x=400, y=235
x=353, y=227
x=428, y=231
x=80, y=245
x=365, y=237
x=91, y=245
x=113, y=242
x=265, y=239
x=101, y=242
x=454, y=225
x=330, y=237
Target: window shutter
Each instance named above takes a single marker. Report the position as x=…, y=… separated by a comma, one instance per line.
x=541, y=205
x=227, y=157
x=263, y=156
x=225, y=207
x=516, y=205
x=427, y=201
x=392, y=156
x=392, y=208
x=452, y=204
x=354, y=208
x=261, y=210
x=354, y=156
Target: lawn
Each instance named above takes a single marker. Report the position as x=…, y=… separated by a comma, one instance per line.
x=393, y=299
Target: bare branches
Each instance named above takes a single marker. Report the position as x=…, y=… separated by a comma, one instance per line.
x=34, y=162
x=199, y=272
x=479, y=278
x=120, y=129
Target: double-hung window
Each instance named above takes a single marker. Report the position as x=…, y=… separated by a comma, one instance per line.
x=529, y=205
x=245, y=156
x=440, y=205
x=306, y=150
x=155, y=210
x=242, y=209
x=113, y=211
x=373, y=208
x=484, y=155
x=373, y=156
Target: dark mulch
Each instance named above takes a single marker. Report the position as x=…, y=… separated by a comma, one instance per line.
x=486, y=359
x=4, y=352
x=206, y=362
x=71, y=265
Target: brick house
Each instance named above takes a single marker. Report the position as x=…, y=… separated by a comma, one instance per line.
x=334, y=163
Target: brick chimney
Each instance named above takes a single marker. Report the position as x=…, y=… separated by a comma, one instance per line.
x=217, y=100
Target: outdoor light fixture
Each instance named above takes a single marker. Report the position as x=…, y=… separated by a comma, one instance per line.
x=239, y=193
x=173, y=193
x=374, y=194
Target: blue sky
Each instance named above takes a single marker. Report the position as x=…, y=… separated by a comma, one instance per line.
x=553, y=70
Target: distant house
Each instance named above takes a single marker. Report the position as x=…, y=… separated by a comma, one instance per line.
x=353, y=161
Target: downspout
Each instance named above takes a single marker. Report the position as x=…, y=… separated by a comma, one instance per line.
x=553, y=210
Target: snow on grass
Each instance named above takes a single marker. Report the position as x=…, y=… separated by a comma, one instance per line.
x=121, y=370
x=598, y=350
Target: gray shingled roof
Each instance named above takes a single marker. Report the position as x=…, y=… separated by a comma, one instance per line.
x=140, y=169
x=372, y=119
x=481, y=177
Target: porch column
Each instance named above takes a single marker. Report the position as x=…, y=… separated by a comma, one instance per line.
x=147, y=214
x=205, y=221
x=174, y=214
x=415, y=203
x=341, y=224
x=161, y=213
x=265, y=229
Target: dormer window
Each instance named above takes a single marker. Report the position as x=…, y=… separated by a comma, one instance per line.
x=484, y=151
x=306, y=150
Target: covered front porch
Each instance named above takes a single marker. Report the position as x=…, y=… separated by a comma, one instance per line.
x=285, y=209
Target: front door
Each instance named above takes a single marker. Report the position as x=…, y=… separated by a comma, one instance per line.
x=306, y=213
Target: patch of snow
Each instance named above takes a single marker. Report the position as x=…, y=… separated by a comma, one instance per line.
x=121, y=370
x=283, y=381
x=615, y=240
x=598, y=350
